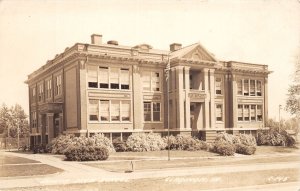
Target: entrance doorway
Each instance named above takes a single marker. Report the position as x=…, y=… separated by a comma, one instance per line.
x=196, y=115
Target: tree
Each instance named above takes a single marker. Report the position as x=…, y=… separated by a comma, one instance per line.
x=293, y=101
x=12, y=119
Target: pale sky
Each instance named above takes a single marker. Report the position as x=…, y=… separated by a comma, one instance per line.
x=255, y=31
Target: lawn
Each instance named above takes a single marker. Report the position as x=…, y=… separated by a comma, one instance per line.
x=195, y=182
x=27, y=170
x=122, y=166
x=4, y=159
x=267, y=150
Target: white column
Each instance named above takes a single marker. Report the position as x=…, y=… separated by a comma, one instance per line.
x=212, y=98
x=137, y=101
x=206, y=103
x=187, y=99
x=180, y=97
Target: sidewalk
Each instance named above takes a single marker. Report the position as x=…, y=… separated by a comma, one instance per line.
x=75, y=172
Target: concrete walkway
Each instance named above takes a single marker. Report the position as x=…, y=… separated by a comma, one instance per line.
x=75, y=172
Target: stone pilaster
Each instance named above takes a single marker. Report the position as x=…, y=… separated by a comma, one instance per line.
x=234, y=108
x=50, y=124
x=82, y=95
x=137, y=102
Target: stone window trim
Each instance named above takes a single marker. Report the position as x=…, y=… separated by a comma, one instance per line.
x=249, y=87
x=152, y=112
x=151, y=81
x=219, y=89
x=108, y=78
x=250, y=113
x=109, y=111
x=58, y=85
x=48, y=89
x=219, y=112
x=41, y=92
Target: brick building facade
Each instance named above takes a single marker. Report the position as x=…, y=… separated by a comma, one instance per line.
x=119, y=90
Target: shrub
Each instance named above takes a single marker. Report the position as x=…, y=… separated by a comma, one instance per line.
x=120, y=146
x=61, y=143
x=241, y=143
x=100, y=140
x=274, y=137
x=145, y=142
x=186, y=142
x=86, y=153
x=223, y=148
x=245, y=149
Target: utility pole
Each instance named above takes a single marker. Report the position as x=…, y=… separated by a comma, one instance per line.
x=18, y=133
x=280, y=107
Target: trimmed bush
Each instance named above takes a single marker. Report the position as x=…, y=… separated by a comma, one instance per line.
x=60, y=144
x=120, y=146
x=145, y=142
x=241, y=143
x=223, y=148
x=186, y=142
x=86, y=153
x=274, y=137
x=244, y=149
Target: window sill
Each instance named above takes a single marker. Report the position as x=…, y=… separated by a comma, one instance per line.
x=110, y=122
x=107, y=89
x=153, y=122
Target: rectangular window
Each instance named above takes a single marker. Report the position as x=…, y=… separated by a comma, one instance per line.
x=93, y=110
x=252, y=87
x=219, y=112
x=246, y=113
x=155, y=81
x=156, y=111
x=125, y=111
x=114, y=78
x=58, y=85
x=33, y=93
x=253, y=113
x=240, y=112
x=146, y=80
x=92, y=77
x=218, y=86
x=147, y=111
x=259, y=112
x=33, y=118
x=125, y=79
x=246, y=87
x=258, y=88
x=41, y=92
x=104, y=110
x=103, y=77
x=115, y=110
x=240, y=87
x=48, y=89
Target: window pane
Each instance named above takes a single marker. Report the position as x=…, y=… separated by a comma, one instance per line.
x=155, y=81
x=259, y=113
x=125, y=110
x=246, y=87
x=240, y=87
x=219, y=114
x=258, y=89
x=92, y=77
x=104, y=110
x=156, y=111
x=103, y=77
x=146, y=81
x=246, y=112
x=240, y=112
x=124, y=78
x=252, y=87
x=218, y=85
x=147, y=111
x=115, y=110
x=253, y=114
x=93, y=110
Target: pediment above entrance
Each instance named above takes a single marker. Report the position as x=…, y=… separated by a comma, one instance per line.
x=194, y=52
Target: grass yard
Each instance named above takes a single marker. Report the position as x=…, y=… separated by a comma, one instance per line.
x=266, y=150
x=195, y=182
x=122, y=166
x=27, y=170
x=4, y=159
